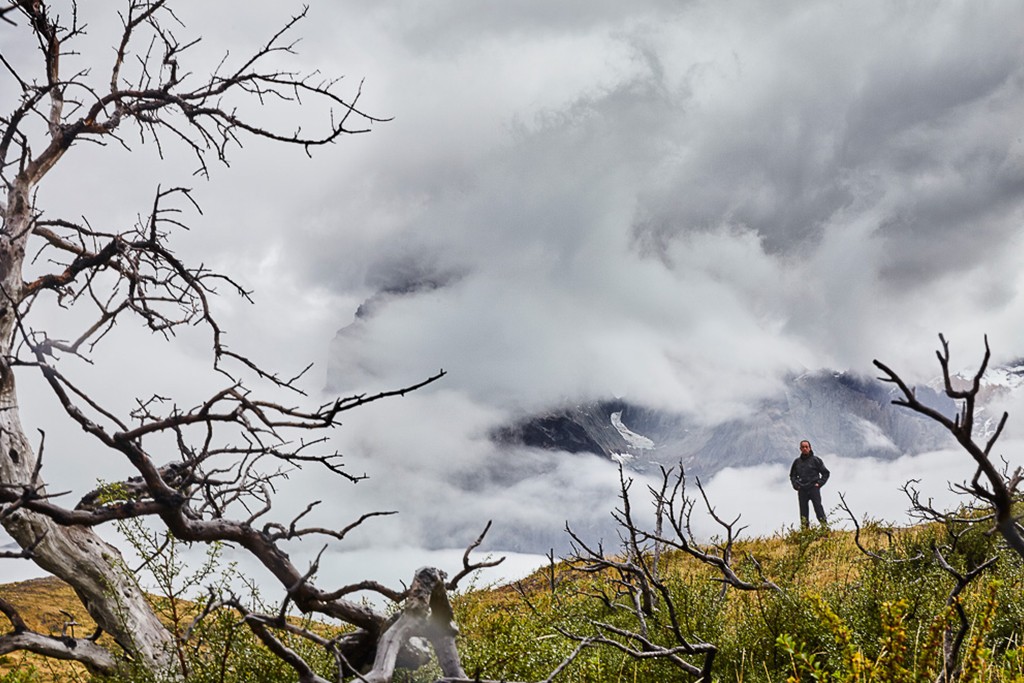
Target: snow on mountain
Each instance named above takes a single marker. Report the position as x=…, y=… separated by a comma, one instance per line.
x=999, y=383
x=1009, y=377
x=632, y=438
x=840, y=413
x=621, y=458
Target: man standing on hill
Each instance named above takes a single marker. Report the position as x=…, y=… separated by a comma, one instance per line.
x=808, y=474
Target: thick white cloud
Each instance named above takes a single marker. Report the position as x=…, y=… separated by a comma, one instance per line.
x=673, y=202
x=729, y=177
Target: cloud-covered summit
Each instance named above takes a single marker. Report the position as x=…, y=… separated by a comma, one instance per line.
x=683, y=203
x=677, y=204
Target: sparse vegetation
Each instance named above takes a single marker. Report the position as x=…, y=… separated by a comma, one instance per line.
x=841, y=615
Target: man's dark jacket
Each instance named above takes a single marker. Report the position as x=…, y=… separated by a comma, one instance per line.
x=808, y=471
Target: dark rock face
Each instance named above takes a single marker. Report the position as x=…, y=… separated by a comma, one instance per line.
x=556, y=432
x=584, y=428
x=838, y=412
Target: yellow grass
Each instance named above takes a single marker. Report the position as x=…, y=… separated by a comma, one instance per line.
x=40, y=601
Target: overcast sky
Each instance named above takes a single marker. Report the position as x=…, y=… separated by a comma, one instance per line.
x=673, y=202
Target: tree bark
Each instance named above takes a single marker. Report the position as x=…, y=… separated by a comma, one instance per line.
x=426, y=612
x=77, y=649
x=77, y=555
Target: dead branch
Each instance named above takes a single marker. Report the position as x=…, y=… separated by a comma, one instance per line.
x=68, y=648
x=636, y=574
x=468, y=567
x=953, y=637
x=679, y=509
x=953, y=640
x=988, y=484
x=889, y=557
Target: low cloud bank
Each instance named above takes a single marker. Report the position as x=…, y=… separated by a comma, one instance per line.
x=764, y=499
x=530, y=504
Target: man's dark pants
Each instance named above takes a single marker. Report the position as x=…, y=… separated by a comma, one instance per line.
x=811, y=495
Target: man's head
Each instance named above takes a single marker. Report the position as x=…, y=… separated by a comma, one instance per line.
x=805, y=447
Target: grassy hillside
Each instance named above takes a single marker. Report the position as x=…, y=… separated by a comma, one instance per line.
x=48, y=606
x=221, y=649
x=839, y=612
x=840, y=615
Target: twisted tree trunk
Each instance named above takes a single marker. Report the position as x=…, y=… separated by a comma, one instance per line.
x=94, y=568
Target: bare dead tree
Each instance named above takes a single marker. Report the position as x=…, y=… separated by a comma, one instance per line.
x=635, y=572
x=954, y=527
x=887, y=555
x=994, y=487
x=207, y=472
